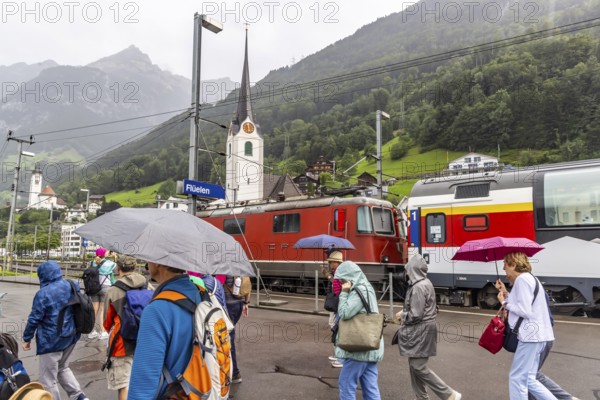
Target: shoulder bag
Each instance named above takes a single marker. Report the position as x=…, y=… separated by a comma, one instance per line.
x=511, y=336
x=363, y=331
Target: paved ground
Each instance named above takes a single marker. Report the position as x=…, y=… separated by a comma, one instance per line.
x=283, y=355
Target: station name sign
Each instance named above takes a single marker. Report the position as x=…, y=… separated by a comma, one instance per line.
x=202, y=189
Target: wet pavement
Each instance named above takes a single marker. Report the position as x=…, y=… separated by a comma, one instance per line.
x=283, y=354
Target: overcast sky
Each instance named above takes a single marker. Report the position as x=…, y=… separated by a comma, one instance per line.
x=80, y=32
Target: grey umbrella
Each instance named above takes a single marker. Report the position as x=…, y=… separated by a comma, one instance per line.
x=172, y=238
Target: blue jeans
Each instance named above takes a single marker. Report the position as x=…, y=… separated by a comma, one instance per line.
x=235, y=313
x=355, y=371
x=523, y=371
x=552, y=386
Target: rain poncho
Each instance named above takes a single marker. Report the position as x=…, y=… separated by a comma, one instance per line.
x=53, y=295
x=417, y=336
x=350, y=305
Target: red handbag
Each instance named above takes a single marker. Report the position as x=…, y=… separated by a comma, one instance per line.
x=493, y=335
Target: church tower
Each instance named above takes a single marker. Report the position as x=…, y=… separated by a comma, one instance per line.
x=35, y=187
x=244, y=165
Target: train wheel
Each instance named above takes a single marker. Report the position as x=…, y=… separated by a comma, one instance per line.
x=488, y=297
x=400, y=288
x=577, y=311
x=595, y=313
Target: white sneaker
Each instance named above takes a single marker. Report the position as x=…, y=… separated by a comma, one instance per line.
x=93, y=335
x=337, y=364
x=104, y=336
x=332, y=358
x=455, y=395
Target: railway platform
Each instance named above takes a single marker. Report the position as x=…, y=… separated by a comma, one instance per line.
x=283, y=352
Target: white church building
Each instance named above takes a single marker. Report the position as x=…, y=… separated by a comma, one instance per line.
x=42, y=198
x=244, y=165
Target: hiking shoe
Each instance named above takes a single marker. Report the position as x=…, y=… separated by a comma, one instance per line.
x=337, y=364
x=82, y=396
x=332, y=358
x=236, y=378
x=104, y=336
x=93, y=335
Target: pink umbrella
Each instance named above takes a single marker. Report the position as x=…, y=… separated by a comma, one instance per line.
x=495, y=248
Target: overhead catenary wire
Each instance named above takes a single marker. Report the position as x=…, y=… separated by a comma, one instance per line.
x=364, y=73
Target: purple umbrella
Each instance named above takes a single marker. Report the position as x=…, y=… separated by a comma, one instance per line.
x=324, y=242
x=495, y=248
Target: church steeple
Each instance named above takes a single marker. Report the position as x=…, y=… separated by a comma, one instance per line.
x=244, y=109
x=245, y=147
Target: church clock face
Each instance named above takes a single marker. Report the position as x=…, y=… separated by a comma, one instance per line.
x=248, y=127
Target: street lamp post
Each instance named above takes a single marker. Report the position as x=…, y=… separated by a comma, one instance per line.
x=380, y=114
x=200, y=21
x=49, y=233
x=87, y=201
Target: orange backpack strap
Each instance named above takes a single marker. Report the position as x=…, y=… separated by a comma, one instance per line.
x=180, y=299
x=177, y=298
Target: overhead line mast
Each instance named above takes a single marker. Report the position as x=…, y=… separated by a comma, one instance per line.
x=8, y=254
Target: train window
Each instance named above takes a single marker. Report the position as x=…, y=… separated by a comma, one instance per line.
x=436, y=228
x=339, y=220
x=284, y=223
x=364, y=224
x=231, y=226
x=476, y=223
x=383, y=221
x=474, y=190
x=571, y=197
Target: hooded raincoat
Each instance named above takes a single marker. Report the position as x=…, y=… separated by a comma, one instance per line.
x=350, y=305
x=53, y=295
x=417, y=336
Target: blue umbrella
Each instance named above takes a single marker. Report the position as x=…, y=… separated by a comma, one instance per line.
x=324, y=242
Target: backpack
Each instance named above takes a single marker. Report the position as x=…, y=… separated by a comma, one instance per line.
x=213, y=299
x=83, y=311
x=91, y=279
x=245, y=287
x=136, y=299
x=208, y=372
x=12, y=373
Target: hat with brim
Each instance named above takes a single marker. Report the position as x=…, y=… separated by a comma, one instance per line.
x=31, y=391
x=336, y=256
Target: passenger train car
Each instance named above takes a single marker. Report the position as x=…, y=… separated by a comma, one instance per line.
x=268, y=232
x=557, y=205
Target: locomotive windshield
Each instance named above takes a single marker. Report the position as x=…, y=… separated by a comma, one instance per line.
x=377, y=219
x=571, y=197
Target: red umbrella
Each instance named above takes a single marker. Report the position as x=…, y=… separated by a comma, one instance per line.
x=495, y=248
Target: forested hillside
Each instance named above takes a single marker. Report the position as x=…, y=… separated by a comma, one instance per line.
x=441, y=88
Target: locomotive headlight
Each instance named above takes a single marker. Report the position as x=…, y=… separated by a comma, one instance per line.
x=385, y=259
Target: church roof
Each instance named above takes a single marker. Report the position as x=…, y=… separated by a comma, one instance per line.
x=244, y=109
x=47, y=191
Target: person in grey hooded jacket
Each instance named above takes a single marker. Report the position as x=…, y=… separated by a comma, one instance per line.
x=417, y=335
x=357, y=366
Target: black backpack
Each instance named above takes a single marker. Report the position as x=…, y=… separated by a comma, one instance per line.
x=83, y=312
x=91, y=279
x=12, y=372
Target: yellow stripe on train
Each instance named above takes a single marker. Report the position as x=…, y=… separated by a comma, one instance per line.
x=479, y=209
